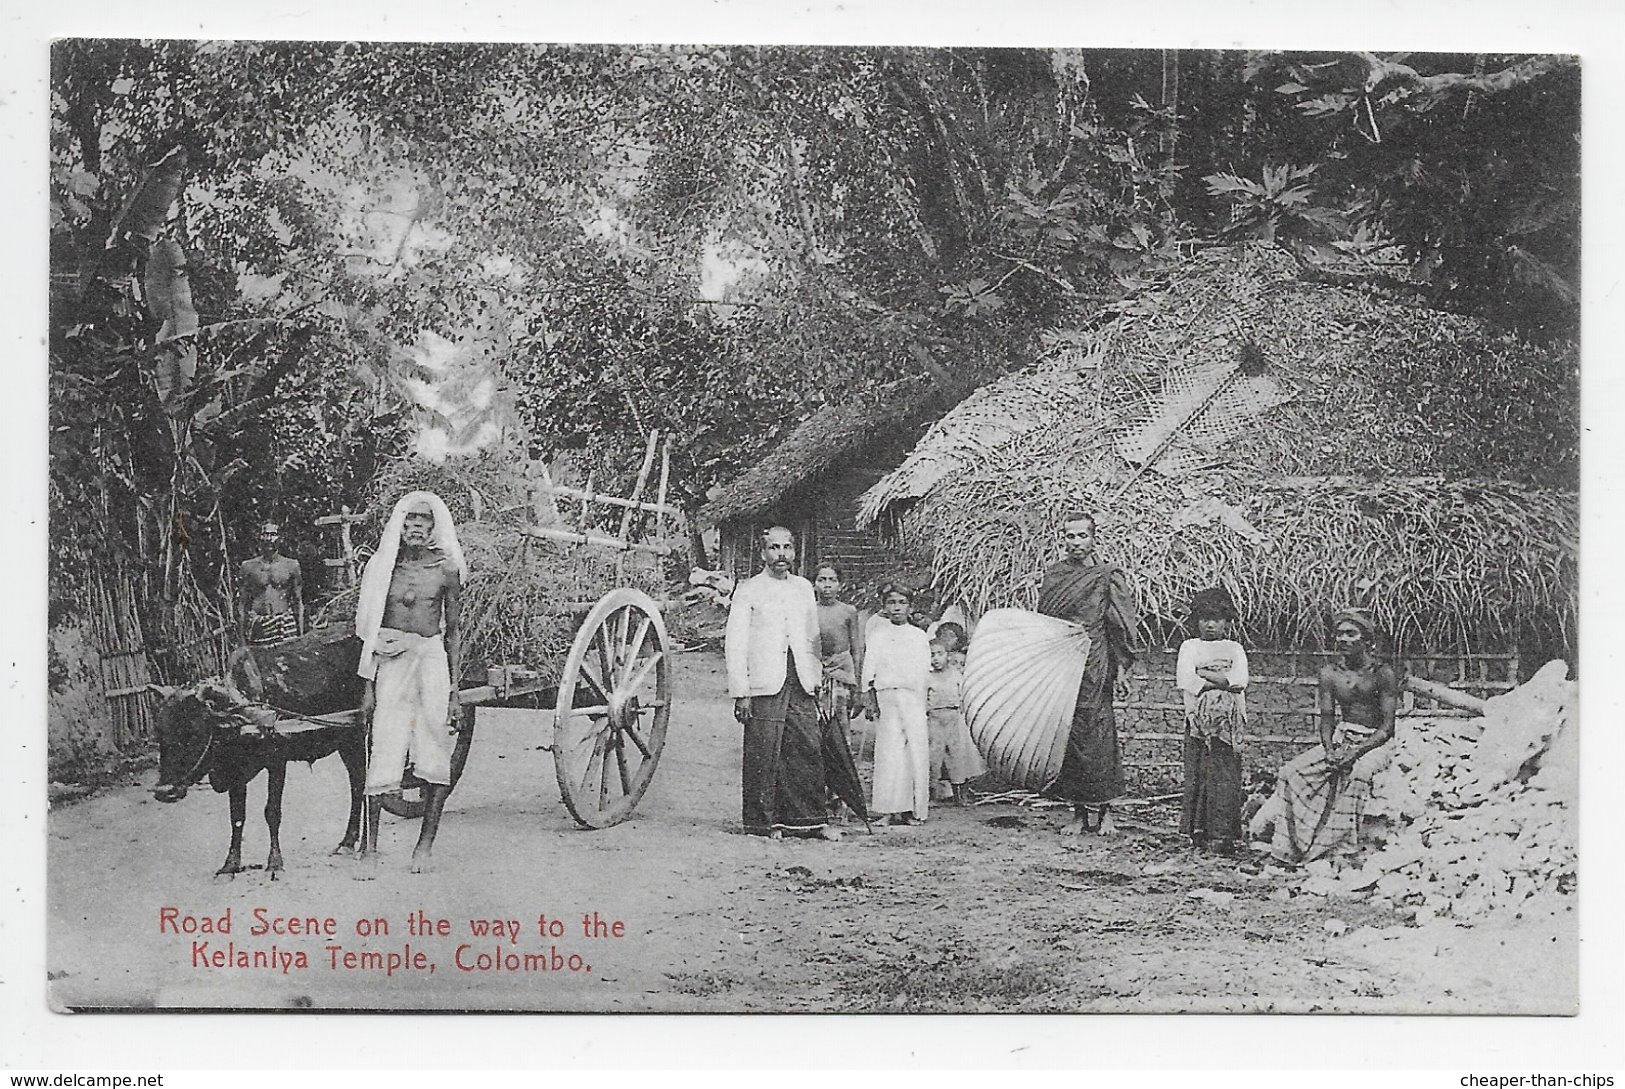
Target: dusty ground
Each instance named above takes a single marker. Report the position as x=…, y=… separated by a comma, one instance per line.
x=980, y=909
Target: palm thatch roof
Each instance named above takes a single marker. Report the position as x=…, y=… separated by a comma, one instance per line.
x=1417, y=462
x=830, y=437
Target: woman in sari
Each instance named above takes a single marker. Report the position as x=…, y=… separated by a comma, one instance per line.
x=1098, y=597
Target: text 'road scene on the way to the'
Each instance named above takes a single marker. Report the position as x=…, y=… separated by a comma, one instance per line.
x=791, y=529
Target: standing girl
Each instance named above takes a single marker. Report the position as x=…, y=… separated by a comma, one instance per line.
x=1212, y=676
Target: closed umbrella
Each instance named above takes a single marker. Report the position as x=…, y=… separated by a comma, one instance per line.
x=840, y=771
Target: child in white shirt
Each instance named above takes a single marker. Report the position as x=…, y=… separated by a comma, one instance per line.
x=1212, y=676
x=896, y=668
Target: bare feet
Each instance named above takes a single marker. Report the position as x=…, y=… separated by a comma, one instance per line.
x=777, y=833
x=1081, y=823
x=833, y=835
x=420, y=862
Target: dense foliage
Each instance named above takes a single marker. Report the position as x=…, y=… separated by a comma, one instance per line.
x=467, y=246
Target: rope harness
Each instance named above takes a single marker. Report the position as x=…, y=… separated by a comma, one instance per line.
x=195, y=776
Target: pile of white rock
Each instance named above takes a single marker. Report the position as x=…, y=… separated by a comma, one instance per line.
x=1480, y=813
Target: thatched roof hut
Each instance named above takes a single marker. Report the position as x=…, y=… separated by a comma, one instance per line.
x=1304, y=443
x=811, y=480
x=822, y=442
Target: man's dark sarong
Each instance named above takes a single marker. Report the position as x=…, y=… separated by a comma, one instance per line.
x=783, y=776
x=1211, y=807
x=1099, y=598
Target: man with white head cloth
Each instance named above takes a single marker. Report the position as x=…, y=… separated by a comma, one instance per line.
x=412, y=656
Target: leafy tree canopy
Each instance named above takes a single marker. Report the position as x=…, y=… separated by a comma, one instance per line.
x=464, y=245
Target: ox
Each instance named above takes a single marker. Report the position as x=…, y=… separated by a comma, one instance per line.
x=225, y=730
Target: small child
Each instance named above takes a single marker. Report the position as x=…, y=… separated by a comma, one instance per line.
x=919, y=611
x=953, y=754
x=1212, y=676
x=896, y=665
x=953, y=637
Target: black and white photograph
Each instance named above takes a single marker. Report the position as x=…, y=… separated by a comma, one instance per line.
x=775, y=528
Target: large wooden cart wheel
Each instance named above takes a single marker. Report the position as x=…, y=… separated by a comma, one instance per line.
x=613, y=705
x=409, y=802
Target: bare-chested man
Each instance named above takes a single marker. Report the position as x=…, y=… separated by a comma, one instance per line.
x=840, y=641
x=408, y=619
x=271, y=593
x=1321, y=794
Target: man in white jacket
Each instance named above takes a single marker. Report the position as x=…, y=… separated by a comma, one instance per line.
x=774, y=666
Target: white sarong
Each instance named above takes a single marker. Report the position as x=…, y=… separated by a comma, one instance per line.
x=902, y=754
x=409, y=720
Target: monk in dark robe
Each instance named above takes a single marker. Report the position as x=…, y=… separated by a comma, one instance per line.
x=1100, y=598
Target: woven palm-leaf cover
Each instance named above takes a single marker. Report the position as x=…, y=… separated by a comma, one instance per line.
x=1021, y=683
x=1041, y=398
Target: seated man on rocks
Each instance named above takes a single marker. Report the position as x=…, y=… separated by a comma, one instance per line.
x=1320, y=796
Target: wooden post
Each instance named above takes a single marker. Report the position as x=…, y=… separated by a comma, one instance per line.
x=347, y=546
x=1446, y=695
x=612, y=500
x=655, y=547
x=586, y=504
x=643, y=479
x=660, y=495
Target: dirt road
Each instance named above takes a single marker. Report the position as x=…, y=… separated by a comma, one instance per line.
x=979, y=909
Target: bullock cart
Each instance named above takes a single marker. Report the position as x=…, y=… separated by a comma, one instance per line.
x=598, y=686
x=604, y=715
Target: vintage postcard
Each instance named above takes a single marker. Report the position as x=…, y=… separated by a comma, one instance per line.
x=781, y=528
